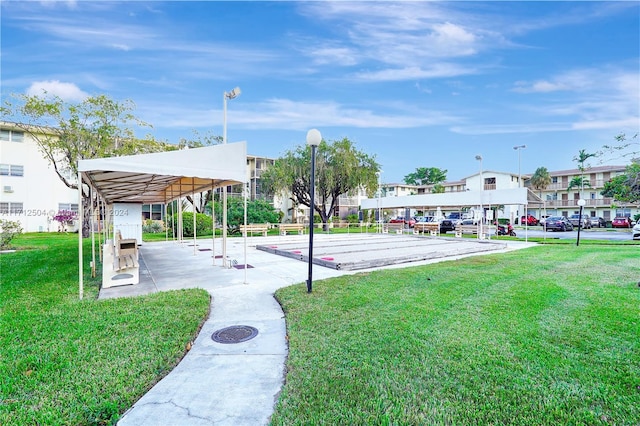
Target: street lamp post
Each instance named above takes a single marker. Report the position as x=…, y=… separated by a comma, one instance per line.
x=581, y=203
x=479, y=158
x=378, y=222
x=519, y=148
x=313, y=140
x=225, y=95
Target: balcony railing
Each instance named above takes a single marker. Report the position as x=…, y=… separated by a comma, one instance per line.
x=557, y=186
x=598, y=202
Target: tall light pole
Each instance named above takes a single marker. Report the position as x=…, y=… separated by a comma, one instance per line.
x=581, y=203
x=519, y=148
x=479, y=158
x=313, y=140
x=225, y=95
x=378, y=223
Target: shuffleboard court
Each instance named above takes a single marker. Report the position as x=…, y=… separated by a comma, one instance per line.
x=353, y=252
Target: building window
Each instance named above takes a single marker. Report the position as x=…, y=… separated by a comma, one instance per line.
x=11, y=170
x=68, y=207
x=11, y=208
x=554, y=179
x=11, y=135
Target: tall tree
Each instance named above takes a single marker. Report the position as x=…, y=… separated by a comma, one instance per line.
x=625, y=187
x=426, y=176
x=67, y=132
x=198, y=140
x=340, y=169
x=581, y=158
x=539, y=181
x=578, y=182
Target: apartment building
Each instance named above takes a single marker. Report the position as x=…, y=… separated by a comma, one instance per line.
x=30, y=190
x=560, y=200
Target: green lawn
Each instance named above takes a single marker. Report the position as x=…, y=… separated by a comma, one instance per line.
x=70, y=361
x=548, y=335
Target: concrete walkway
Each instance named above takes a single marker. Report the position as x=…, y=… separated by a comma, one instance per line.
x=226, y=384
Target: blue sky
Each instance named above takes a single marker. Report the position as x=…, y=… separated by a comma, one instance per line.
x=417, y=84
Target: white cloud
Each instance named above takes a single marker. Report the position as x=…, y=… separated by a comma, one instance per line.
x=66, y=91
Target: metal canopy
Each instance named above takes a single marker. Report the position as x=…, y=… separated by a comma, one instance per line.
x=165, y=176
x=513, y=196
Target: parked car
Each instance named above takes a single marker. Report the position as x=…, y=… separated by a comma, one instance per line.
x=448, y=225
x=635, y=233
x=557, y=223
x=528, y=220
x=425, y=219
x=575, y=219
x=598, y=222
x=400, y=219
x=622, y=222
x=542, y=219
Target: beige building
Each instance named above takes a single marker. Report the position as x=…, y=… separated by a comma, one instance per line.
x=560, y=200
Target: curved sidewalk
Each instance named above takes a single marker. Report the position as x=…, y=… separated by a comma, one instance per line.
x=215, y=383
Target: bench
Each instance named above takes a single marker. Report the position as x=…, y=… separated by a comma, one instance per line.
x=126, y=254
x=397, y=227
x=432, y=227
x=260, y=228
x=290, y=227
x=122, y=255
x=471, y=229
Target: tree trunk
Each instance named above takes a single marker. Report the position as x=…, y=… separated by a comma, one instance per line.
x=86, y=217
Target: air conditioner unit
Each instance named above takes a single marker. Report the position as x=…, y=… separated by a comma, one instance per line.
x=8, y=188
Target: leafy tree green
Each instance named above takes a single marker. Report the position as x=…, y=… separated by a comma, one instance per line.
x=204, y=224
x=67, y=132
x=426, y=176
x=540, y=180
x=199, y=140
x=340, y=169
x=258, y=211
x=625, y=187
x=625, y=147
x=437, y=189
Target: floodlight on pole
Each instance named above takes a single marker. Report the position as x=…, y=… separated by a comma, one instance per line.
x=225, y=95
x=479, y=158
x=519, y=148
x=313, y=140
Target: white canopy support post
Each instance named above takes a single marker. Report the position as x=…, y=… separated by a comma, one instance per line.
x=213, y=224
x=100, y=226
x=80, y=220
x=93, y=236
x=245, y=231
x=193, y=204
x=166, y=228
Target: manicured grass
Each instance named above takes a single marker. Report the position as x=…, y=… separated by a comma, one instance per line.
x=548, y=335
x=70, y=361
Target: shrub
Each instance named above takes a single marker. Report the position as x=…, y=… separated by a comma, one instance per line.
x=353, y=218
x=8, y=230
x=152, y=226
x=203, y=224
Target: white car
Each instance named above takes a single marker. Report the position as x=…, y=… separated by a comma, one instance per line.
x=635, y=232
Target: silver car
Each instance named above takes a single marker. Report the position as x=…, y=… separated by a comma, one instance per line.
x=635, y=232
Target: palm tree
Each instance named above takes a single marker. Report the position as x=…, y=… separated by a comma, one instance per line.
x=582, y=156
x=540, y=180
x=578, y=182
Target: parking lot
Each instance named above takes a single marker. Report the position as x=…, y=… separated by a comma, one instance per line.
x=588, y=234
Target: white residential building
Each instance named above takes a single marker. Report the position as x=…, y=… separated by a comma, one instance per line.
x=30, y=190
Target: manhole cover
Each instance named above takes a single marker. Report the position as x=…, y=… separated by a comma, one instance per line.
x=234, y=334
